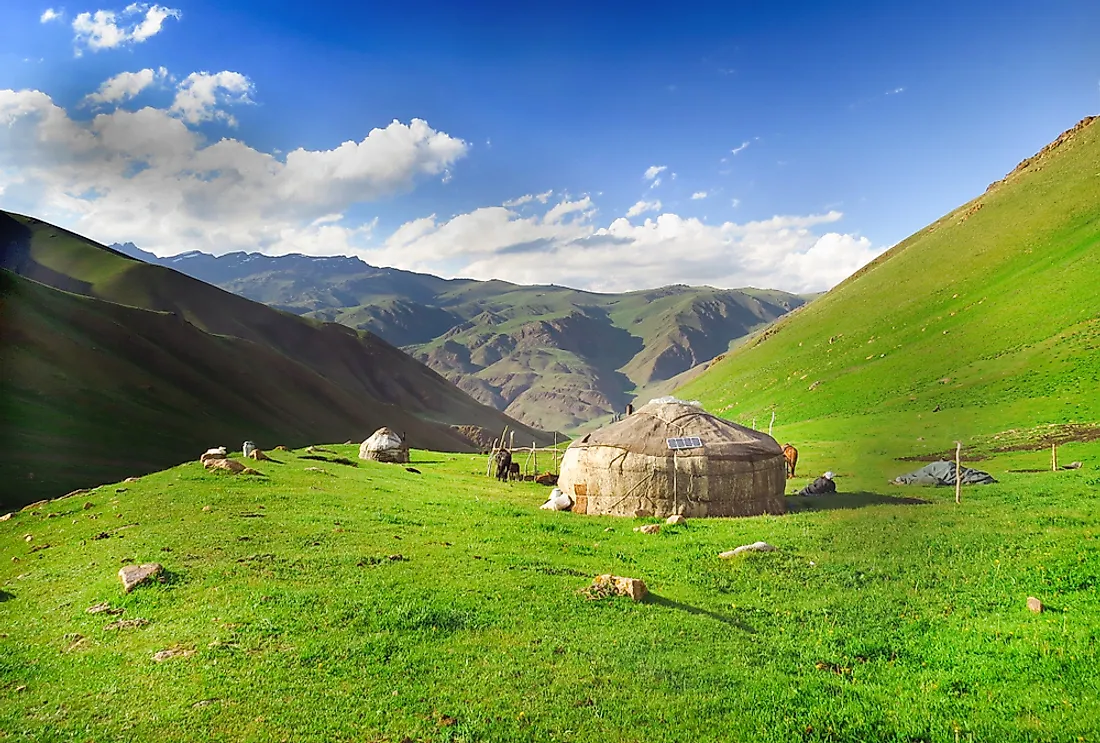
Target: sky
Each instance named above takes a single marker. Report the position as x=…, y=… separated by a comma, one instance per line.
x=625, y=146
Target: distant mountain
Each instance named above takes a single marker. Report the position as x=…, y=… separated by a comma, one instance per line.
x=115, y=367
x=553, y=357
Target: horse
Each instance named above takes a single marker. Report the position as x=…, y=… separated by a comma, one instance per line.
x=791, y=455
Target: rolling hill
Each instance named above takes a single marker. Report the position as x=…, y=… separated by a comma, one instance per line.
x=114, y=367
x=984, y=324
x=553, y=357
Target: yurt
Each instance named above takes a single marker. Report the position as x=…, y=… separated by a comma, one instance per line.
x=672, y=457
x=384, y=446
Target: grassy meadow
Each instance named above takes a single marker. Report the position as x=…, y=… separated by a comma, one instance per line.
x=378, y=604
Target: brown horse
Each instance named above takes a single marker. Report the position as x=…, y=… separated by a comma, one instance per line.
x=791, y=455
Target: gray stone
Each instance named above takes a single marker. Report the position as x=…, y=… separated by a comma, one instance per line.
x=676, y=520
x=134, y=575
x=754, y=547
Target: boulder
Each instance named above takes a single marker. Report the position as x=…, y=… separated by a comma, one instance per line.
x=258, y=455
x=6, y=516
x=1034, y=605
x=229, y=465
x=676, y=519
x=216, y=453
x=754, y=547
x=617, y=585
x=648, y=528
x=134, y=575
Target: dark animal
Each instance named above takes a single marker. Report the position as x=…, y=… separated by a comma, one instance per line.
x=791, y=455
x=504, y=464
x=513, y=471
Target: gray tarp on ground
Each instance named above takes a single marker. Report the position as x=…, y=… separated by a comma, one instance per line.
x=943, y=473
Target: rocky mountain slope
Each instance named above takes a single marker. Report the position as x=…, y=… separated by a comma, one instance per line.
x=553, y=357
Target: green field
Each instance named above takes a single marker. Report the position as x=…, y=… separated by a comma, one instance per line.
x=878, y=619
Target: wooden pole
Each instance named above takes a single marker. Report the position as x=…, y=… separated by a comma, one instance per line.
x=536, y=454
x=958, y=471
x=1054, y=457
x=771, y=424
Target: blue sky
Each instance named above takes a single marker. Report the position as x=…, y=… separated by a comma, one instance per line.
x=786, y=143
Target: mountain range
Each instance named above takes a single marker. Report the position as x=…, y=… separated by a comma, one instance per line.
x=552, y=357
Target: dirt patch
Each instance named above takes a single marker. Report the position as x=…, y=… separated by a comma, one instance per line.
x=1043, y=437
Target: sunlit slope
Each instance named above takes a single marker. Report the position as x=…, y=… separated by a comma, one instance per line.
x=995, y=304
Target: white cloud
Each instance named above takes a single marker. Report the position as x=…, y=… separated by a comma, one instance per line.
x=149, y=177
x=51, y=15
x=107, y=29
x=125, y=85
x=785, y=252
x=895, y=91
x=698, y=195
x=735, y=203
x=653, y=171
x=201, y=92
x=742, y=148
x=542, y=198
x=642, y=207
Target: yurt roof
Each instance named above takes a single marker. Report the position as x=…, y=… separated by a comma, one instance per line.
x=383, y=438
x=647, y=432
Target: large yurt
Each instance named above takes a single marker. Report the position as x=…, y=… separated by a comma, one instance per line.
x=672, y=457
x=384, y=446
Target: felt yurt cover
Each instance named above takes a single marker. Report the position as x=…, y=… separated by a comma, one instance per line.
x=717, y=468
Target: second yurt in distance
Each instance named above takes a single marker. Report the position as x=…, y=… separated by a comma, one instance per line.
x=672, y=457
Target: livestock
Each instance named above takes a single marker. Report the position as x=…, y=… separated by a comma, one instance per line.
x=791, y=455
x=504, y=464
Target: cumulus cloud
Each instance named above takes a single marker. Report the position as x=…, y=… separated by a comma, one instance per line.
x=641, y=207
x=107, y=29
x=51, y=15
x=201, y=93
x=698, y=195
x=653, y=171
x=149, y=177
x=529, y=198
x=125, y=85
x=787, y=252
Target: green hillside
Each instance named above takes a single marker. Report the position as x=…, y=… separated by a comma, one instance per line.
x=113, y=367
x=985, y=321
x=377, y=604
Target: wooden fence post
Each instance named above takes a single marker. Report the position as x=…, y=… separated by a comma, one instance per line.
x=958, y=471
x=1054, y=457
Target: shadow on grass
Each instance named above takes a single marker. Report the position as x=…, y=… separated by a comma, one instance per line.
x=656, y=600
x=861, y=499
x=6, y=596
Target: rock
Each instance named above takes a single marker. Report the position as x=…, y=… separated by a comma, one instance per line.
x=642, y=513
x=217, y=453
x=207, y=509
x=134, y=575
x=6, y=516
x=648, y=528
x=131, y=479
x=229, y=465
x=127, y=624
x=616, y=585
x=20, y=688
x=1034, y=605
x=250, y=471
x=280, y=447
x=175, y=652
x=28, y=537
x=258, y=455
x=88, y=505
x=754, y=547
x=103, y=607
x=32, y=506
x=75, y=640
x=676, y=520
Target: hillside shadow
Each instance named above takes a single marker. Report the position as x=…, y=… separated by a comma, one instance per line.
x=859, y=499
x=656, y=600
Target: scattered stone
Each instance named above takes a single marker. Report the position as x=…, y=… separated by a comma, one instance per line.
x=103, y=608
x=230, y=465
x=28, y=537
x=88, y=505
x=280, y=447
x=1034, y=605
x=101, y=535
x=615, y=585
x=15, y=559
x=20, y=688
x=676, y=520
x=217, y=453
x=258, y=455
x=315, y=449
x=397, y=558
x=318, y=469
x=754, y=547
x=250, y=471
x=203, y=703
x=127, y=624
x=207, y=509
x=131, y=479
x=1072, y=466
x=648, y=528
x=610, y=528
x=643, y=513
x=75, y=639
x=134, y=575
x=51, y=515
x=32, y=506
x=39, y=547
x=174, y=652
x=6, y=516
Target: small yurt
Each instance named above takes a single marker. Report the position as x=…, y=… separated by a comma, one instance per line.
x=672, y=457
x=384, y=446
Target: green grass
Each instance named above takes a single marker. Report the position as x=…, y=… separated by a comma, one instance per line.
x=876, y=620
